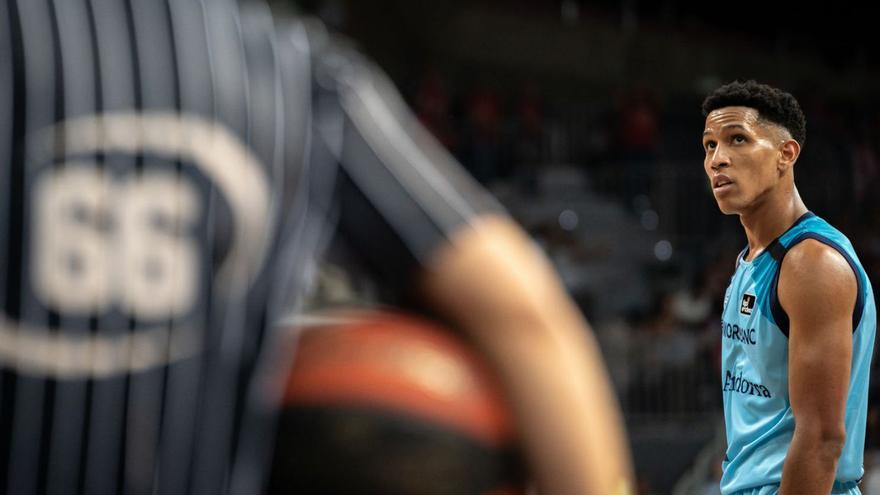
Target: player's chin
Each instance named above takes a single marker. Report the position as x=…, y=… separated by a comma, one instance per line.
x=727, y=207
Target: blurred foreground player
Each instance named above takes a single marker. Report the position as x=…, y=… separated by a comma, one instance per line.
x=170, y=171
x=799, y=318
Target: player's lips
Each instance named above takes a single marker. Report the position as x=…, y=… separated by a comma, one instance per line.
x=721, y=182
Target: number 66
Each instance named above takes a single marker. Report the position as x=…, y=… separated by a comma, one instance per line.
x=99, y=241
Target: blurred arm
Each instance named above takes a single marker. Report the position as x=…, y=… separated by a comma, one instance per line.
x=817, y=289
x=495, y=285
x=416, y=216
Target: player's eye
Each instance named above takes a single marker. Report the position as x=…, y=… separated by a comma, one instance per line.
x=709, y=145
x=739, y=139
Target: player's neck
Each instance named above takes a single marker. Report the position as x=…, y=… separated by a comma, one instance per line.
x=771, y=219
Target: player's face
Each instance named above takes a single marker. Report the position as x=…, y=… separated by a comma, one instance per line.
x=741, y=158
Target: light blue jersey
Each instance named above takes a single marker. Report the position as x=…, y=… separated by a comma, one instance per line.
x=754, y=374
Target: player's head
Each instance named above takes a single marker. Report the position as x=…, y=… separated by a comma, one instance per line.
x=753, y=136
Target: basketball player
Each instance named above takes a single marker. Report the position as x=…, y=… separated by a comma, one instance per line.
x=799, y=317
x=170, y=170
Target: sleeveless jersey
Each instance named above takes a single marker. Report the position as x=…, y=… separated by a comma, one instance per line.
x=757, y=410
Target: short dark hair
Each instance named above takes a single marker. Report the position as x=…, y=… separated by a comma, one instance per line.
x=773, y=105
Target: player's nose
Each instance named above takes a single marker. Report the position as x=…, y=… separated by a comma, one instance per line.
x=719, y=158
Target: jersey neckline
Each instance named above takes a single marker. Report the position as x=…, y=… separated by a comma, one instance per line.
x=745, y=252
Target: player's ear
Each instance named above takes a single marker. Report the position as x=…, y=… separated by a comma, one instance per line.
x=789, y=151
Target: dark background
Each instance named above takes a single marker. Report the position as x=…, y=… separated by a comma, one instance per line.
x=584, y=118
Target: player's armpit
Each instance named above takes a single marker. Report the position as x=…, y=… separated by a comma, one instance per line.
x=817, y=289
x=492, y=281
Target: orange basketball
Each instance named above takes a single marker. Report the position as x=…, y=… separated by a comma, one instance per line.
x=393, y=403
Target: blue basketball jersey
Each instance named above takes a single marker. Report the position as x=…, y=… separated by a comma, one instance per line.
x=757, y=409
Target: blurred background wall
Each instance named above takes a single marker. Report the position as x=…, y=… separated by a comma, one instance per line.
x=584, y=118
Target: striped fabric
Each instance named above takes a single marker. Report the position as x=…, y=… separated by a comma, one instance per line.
x=169, y=171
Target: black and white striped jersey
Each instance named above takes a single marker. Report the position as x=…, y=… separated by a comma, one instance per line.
x=169, y=172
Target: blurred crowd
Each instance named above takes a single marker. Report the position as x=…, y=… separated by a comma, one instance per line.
x=604, y=167
x=640, y=150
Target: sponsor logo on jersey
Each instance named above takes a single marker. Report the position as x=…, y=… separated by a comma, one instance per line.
x=733, y=331
x=747, y=304
x=736, y=383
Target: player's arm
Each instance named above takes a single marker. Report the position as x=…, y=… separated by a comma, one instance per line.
x=417, y=217
x=492, y=281
x=817, y=289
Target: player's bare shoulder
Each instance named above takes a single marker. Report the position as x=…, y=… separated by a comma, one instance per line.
x=815, y=279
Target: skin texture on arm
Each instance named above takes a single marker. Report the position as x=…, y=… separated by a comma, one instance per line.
x=817, y=289
x=500, y=290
